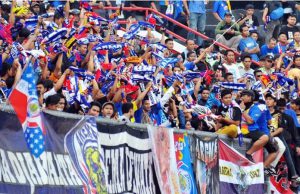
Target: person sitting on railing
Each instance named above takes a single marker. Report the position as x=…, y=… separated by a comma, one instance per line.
x=280, y=123
x=227, y=32
x=253, y=119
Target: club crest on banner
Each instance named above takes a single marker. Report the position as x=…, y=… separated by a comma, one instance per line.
x=82, y=143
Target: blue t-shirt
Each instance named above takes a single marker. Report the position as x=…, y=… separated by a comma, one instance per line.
x=248, y=43
x=197, y=6
x=255, y=114
x=264, y=50
x=292, y=113
x=220, y=7
x=189, y=66
x=264, y=118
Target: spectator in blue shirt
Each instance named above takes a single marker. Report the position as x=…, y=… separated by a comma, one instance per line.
x=252, y=115
x=270, y=48
x=197, y=17
x=219, y=9
x=248, y=44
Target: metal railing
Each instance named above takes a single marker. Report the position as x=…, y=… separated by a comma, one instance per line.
x=150, y=10
x=143, y=127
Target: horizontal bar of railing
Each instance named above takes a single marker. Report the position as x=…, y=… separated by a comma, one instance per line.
x=176, y=23
x=138, y=126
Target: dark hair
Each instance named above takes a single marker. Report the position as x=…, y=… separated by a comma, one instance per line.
x=42, y=82
x=52, y=100
x=48, y=6
x=189, y=53
x=48, y=84
x=257, y=71
x=226, y=92
x=296, y=32
x=228, y=51
x=242, y=26
x=282, y=33
x=186, y=42
x=253, y=32
x=296, y=101
x=256, y=95
x=245, y=56
x=281, y=102
x=249, y=6
x=5, y=68
x=126, y=107
x=272, y=39
x=227, y=75
x=203, y=89
x=24, y=33
x=95, y=103
x=57, y=16
x=168, y=40
x=292, y=16
x=10, y=82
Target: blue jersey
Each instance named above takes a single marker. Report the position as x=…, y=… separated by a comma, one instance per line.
x=248, y=43
x=220, y=7
x=197, y=6
x=264, y=118
x=268, y=51
x=255, y=115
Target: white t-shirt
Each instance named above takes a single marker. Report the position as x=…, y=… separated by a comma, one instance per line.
x=233, y=68
x=49, y=93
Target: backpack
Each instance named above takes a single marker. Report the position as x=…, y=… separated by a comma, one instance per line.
x=277, y=13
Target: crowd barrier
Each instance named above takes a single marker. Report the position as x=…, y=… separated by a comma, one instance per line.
x=53, y=172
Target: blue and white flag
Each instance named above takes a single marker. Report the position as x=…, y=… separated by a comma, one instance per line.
x=83, y=145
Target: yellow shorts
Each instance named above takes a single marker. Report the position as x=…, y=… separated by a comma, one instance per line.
x=230, y=130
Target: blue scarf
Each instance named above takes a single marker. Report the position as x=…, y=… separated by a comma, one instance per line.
x=146, y=24
x=109, y=46
x=133, y=30
x=167, y=61
x=143, y=70
x=54, y=36
x=190, y=75
x=233, y=86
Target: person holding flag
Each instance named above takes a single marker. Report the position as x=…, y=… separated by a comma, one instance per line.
x=24, y=100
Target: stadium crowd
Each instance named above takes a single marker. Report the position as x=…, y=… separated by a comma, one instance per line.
x=84, y=65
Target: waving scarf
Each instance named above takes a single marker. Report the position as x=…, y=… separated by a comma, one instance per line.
x=190, y=75
x=109, y=46
x=78, y=88
x=133, y=30
x=54, y=36
x=167, y=61
x=143, y=70
x=233, y=86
